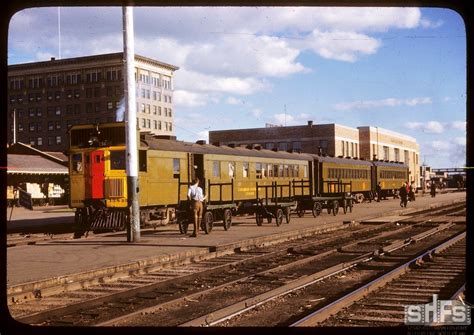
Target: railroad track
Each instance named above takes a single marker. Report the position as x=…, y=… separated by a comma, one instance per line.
x=439, y=271
x=263, y=269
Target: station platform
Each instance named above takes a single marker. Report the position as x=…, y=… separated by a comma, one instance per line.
x=70, y=258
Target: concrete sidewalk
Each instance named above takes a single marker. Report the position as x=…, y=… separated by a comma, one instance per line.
x=65, y=257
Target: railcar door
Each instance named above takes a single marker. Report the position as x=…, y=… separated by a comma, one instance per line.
x=97, y=174
x=199, y=169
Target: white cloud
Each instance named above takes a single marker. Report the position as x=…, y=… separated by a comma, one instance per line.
x=234, y=101
x=340, y=45
x=459, y=125
x=184, y=98
x=451, y=149
x=289, y=119
x=234, y=50
x=204, y=135
x=389, y=102
x=428, y=127
x=428, y=24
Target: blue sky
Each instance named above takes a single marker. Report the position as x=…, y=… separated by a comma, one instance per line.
x=403, y=69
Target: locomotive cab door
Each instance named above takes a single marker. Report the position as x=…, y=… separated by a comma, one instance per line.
x=97, y=174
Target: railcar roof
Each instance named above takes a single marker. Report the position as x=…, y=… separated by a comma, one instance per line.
x=390, y=164
x=173, y=145
x=327, y=159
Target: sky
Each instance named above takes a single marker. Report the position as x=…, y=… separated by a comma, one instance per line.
x=402, y=69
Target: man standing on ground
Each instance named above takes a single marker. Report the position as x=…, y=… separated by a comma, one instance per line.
x=378, y=190
x=196, y=198
x=403, y=195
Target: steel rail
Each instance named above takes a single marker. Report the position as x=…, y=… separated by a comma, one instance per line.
x=347, y=300
x=238, y=308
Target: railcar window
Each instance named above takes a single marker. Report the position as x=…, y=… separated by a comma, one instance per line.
x=142, y=163
x=231, y=169
x=285, y=170
x=245, y=169
x=275, y=171
x=77, y=163
x=291, y=170
x=280, y=170
x=117, y=160
x=216, y=169
x=176, y=167
x=305, y=174
x=297, y=171
x=270, y=170
x=258, y=170
x=264, y=171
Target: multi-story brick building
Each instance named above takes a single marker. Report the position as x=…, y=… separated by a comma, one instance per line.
x=48, y=97
x=331, y=139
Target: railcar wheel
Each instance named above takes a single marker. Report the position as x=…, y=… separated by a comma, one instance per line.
x=317, y=209
x=287, y=214
x=335, y=207
x=207, y=222
x=259, y=219
x=279, y=216
x=300, y=211
x=227, y=219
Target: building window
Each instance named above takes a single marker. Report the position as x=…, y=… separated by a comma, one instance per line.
x=155, y=109
x=57, y=95
x=143, y=123
x=282, y=146
x=147, y=108
x=269, y=146
x=386, y=156
x=77, y=94
x=20, y=127
x=407, y=157
x=97, y=92
x=169, y=112
x=39, y=126
x=148, y=124
x=51, y=140
x=89, y=92
x=50, y=125
x=58, y=110
x=39, y=112
x=97, y=106
x=397, y=154
x=110, y=105
x=143, y=93
x=69, y=94
x=31, y=112
x=171, y=127
x=38, y=96
x=297, y=146
x=89, y=107
x=32, y=141
x=154, y=95
x=155, y=124
x=69, y=109
x=77, y=109
x=159, y=110
x=58, y=124
x=159, y=125
x=142, y=108
x=32, y=126
x=39, y=141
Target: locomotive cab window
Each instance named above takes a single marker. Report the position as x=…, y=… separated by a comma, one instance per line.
x=142, y=161
x=117, y=160
x=216, y=169
x=76, y=163
x=258, y=170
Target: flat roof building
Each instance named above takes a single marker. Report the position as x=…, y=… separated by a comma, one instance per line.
x=47, y=97
x=330, y=139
